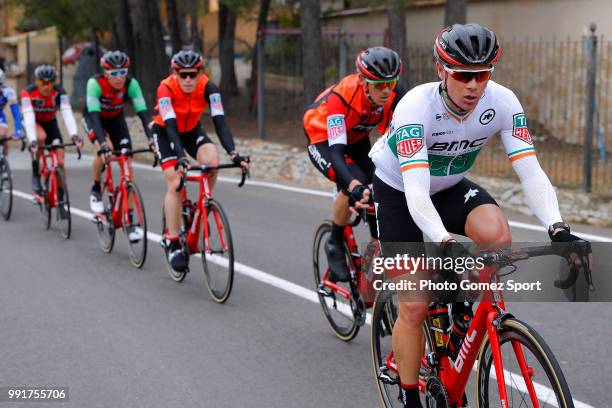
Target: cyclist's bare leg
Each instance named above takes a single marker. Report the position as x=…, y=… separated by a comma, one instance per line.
x=4, y=133
x=208, y=155
x=485, y=224
x=340, y=209
x=96, y=167
x=172, y=202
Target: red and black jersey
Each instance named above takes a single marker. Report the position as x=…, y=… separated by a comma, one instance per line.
x=111, y=100
x=44, y=106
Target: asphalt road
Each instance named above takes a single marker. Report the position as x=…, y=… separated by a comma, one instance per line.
x=73, y=316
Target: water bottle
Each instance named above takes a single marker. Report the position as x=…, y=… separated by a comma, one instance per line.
x=439, y=325
x=462, y=317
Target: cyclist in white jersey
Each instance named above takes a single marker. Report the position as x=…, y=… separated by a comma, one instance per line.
x=436, y=133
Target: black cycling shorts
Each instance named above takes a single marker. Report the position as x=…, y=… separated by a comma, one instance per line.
x=395, y=224
x=116, y=130
x=191, y=141
x=53, y=134
x=359, y=163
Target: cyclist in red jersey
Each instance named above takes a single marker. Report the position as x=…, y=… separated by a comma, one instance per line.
x=338, y=125
x=39, y=102
x=181, y=99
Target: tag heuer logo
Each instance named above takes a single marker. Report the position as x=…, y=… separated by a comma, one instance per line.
x=486, y=117
x=520, y=130
x=409, y=140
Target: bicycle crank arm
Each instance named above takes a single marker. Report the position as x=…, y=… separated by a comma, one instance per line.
x=385, y=377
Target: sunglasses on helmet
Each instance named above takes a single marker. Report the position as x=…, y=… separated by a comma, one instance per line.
x=466, y=75
x=381, y=84
x=113, y=73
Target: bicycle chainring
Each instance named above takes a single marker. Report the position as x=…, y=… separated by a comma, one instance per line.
x=435, y=394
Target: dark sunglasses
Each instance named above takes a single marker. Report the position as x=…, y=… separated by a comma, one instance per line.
x=190, y=74
x=465, y=76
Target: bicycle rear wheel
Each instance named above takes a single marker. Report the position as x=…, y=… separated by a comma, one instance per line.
x=337, y=310
x=546, y=384
x=218, y=256
x=104, y=223
x=63, y=206
x=176, y=276
x=6, y=188
x=138, y=225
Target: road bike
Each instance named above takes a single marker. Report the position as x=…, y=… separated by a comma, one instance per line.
x=205, y=230
x=123, y=208
x=345, y=304
x=515, y=366
x=54, y=193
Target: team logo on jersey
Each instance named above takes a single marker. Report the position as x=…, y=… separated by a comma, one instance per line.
x=486, y=117
x=520, y=130
x=444, y=116
x=335, y=126
x=409, y=140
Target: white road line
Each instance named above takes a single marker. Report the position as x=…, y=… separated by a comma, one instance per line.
x=271, y=280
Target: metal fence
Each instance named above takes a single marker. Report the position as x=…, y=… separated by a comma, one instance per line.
x=548, y=76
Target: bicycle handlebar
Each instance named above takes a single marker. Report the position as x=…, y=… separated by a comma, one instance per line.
x=61, y=145
x=128, y=152
x=208, y=169
x=9, y=138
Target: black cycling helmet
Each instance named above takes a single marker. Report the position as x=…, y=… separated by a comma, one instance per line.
x=378, y=63
x=466, y=45
x=45, y=72
x=114, y=60
x=187, y=59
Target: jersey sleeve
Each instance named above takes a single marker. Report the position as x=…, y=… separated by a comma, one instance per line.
x=135, y=94
x=66, y=110
x=514, y=132
x=29, y=119
x=213, y=96
x=406, y=140
x=94, y=92
x=336, y=120
x=164, y=103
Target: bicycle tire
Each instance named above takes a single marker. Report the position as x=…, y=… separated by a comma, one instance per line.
x=176, y=276
x=513, y=330
x=105, y=225
x=329, y=303
x=218, y=292
x=6, y=189
x=138, y=253
x=45, y=210
x=65, y=223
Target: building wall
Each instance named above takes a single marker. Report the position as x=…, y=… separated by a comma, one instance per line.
x=509, y=18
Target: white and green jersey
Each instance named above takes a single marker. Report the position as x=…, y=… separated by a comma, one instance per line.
x=427, y=133
x=429, y=148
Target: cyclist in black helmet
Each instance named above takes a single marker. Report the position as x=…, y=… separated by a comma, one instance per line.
x=338, y=125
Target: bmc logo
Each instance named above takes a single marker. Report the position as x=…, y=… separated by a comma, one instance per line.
x=457, y=145
x=409, y=140
x=465, y=349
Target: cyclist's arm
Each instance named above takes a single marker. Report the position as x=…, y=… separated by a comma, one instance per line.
x=29, y=118
x=539, y=192
x=414, y=165
x=67, y=115
x=140, y=106
x=164, y=101
x=213, y=96
x=12, y=98
x=337, y=138
x=94, y=92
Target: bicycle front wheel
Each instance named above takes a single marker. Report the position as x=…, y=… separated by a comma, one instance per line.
x=136, y=230
x=104, y=223
x=63, y=205
x=6, y=189
x=45, y=209
x=537, y=383
x=217, y=251
x=337, y=310
x=175, y=275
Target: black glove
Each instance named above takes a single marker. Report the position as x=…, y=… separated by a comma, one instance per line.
x=104, y=150
x=182, y=162
x=237, y=159
x=76, y=139
x=576, y=245
x=356, y=194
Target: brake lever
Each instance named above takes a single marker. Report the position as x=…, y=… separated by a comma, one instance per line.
x=245, y=173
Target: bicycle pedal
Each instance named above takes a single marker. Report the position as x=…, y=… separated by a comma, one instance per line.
x=386, y=378
x=163, y=244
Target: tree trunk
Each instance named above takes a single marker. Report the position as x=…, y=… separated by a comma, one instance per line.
x=122, y=31
x=312, y=61
x=149, y=45
x=262, y=20
x=227, y=32
x=456, y=12
x=175, y=23
x=194, y=35
x=397, y=30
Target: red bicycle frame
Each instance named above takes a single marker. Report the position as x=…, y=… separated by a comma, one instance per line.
x=120, y=210
x=48, y=171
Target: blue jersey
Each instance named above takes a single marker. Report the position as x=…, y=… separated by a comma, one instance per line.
x=9, y=97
